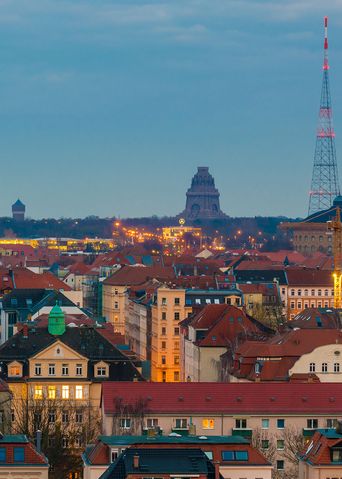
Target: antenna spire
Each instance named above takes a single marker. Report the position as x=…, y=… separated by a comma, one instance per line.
x=325, y=185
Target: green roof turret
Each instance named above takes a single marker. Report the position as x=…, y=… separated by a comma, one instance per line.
x=56, y=323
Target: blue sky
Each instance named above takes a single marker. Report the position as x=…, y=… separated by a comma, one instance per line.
x=108, y=107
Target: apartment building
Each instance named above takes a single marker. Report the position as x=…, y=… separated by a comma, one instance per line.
x=271, y=411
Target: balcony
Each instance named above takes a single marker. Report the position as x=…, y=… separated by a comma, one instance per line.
x=242, y=432
x=152, y=431
x=181, y=431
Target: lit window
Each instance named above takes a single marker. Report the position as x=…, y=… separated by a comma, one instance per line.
x=52, y=392
x=65, y=369
x=79, y=392
x=65, y=392
x=52, y=369
x=78, y=369
x=208, y=423
x=37, y=369
x=38, y=392
x=176, y=360
x=14, y=371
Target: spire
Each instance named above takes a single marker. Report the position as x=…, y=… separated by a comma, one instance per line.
x=56, y=321
x=325, y=185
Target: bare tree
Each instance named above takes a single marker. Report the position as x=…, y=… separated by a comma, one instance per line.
x=66, y=427
x=129, y=417
x=265, y=442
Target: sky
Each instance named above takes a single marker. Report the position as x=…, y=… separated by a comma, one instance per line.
x=107, y=107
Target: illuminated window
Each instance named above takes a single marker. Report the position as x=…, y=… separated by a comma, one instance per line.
x=14, y=371
x=176, y=360
x=208, y=423
x=52, y=392
x=38, y=392
x=79, y=392
x=65, y=392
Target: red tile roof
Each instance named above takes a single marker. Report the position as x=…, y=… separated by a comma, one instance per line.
x=309, y=277
x=24, y=278
x=133, y=275
x=230, y=398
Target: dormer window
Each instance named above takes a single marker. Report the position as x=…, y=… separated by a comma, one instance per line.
x=15, y=370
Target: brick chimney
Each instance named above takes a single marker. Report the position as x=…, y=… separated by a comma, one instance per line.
x=25, y=331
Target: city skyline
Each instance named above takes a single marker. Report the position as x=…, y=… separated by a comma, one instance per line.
x=108, y=108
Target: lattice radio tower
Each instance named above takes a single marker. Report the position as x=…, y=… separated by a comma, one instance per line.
x=325, y=185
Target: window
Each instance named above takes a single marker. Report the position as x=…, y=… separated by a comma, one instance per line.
x=65, y=392
x=65, y=417
x=116, y=305
x=280, y=444
x=265, y=443
x=235, y=455
x=176, y=360
x=177, y=301
x=181, y=423
x=208, y=423
x=209, y=455
x=176, y=345
x=312, y=367
x=52, y=369
x=163, y=376
x=65, y=369
x=152, y=422
x=292, y=305
x=280, y=423
x=326, y=292
x=37, y=369
x=336, y=367
x=52, y=416
x=312, y=292
x=14, y=371
x=52, y=392
x=299, y=292
x=101, y=371
x=176, y=331
x=163, y=301
x=306, y=292
x=312, y=423
x=280, y=465
x=78, y=441
x=38, y=392
x=265, y=423
x=197, y=301
x=163, y=344
x=79, y=417
x=319, y=292
x=299, y=304
x=163, y=331
x=163, y=315
x=177, y=316
x=78, y=369
x=240, y=423
x=331, y=423
x=65, y=442
x=324, y=367
x=79, y=392
x=19, y=454
x=292, y=292
x=125, y=423
x=116, y=292
x=163, y=359
x=176, y=376
x=2, y=454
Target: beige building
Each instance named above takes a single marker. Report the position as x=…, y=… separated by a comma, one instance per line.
x=272, y=415
x=138, y=328
x=168, y=310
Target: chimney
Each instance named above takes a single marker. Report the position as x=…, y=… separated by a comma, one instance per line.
x=136, y=461
x=25, y=331
x=339, y=426
x=39, y=441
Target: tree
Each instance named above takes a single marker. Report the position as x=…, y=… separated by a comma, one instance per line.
x=66, y=427
x=129, y=417
x=265, y=443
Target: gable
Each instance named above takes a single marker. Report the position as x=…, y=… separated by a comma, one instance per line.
x=59, y=350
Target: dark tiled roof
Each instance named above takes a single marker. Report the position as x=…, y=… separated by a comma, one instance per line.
x=160, y=461
x=261, y=276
